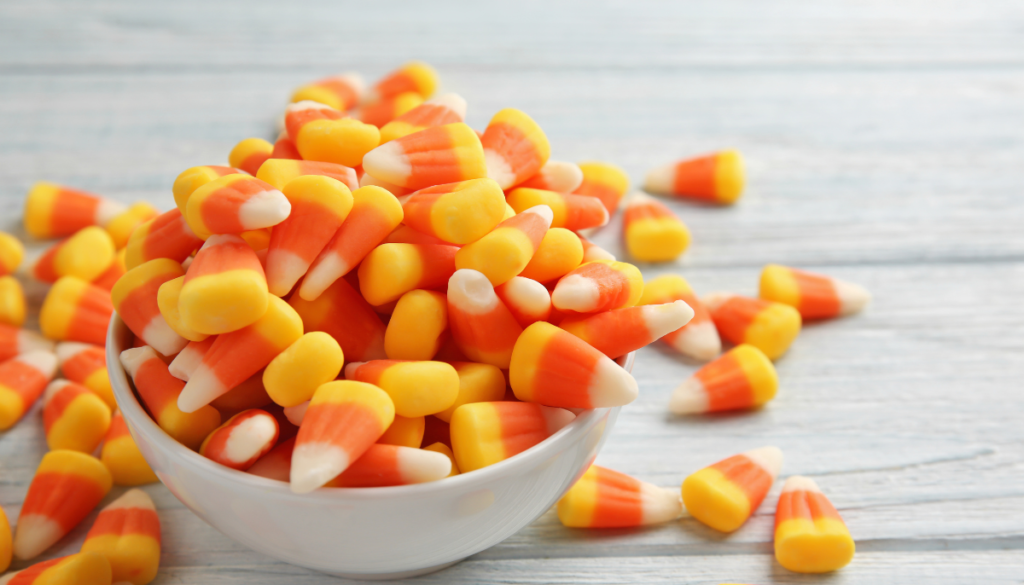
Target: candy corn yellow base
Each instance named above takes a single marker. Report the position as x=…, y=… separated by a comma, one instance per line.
x=660, y=239
x=774, y=329
x=715, y=501
x=225, y=302
x=479, y=430
x=821, y=546
x=729, y=176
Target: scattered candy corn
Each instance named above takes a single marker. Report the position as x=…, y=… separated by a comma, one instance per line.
x=12, y=302
x=73, y=417
x=52, y=211
x=75, y=310
x=652, y=232
x=810, y=536
x=715, y=178
x=725, y=494
x=597, y=286
x=698, y=338
x=341, y=92
x=84, y=568
x=12, y=252
x=604, y=498
x=742, y=378
x=816, y=296
x=14, y=341
x=122, y=457
x=22, y=380
x=5, y=542
x=127, y=534
x=768, y=326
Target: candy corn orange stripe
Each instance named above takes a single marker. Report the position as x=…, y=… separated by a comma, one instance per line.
x=431, y=156
x=284, y=148
x=522, y=426
x=323, y=421
x=58, y=404
x=377, y=467
x=295, y=120
x=804, y=504
x=647, y=210
x=156, y=386
x=48, y=496
x=348, y=318
x=561, y=355
x=734, y=316
x=818, y=296
x=29, y=575
x=83, y=364
x=118, y=428
x=139, y=306
x=726, y=384
x=222, y=357
x=223, y=257
x=219, y=210
x=746, y=475
x=696, y=177
x=618, y=499
x=613, y=286
x=124, y=521
x=23, y=380
x=72, y=210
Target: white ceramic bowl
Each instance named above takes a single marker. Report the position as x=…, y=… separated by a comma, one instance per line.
x=380, y=533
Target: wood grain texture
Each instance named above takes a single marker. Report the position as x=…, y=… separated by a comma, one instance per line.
x=883, y=143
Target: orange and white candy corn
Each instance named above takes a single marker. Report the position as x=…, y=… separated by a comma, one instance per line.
x=293, y=376
x=234, y=204
x=14, y=341
x=277, y=463
x=52, y=211
x=559, y=253
x=319, y=206
x=86, y=364
x=167, y=236
x=249, y=154
x=767, y=325
x=12, y=252
x=73, y=417
x=482, y=326
x=435, y=156
x=279, y=172
x=135, y=300
x=195, y=177
x=457, y=213
x=572, y=212
x=159, y=391
x=597, y=286
x=507, y=250
x=237, y=355
x=604, y=498
x=449, y=108
x=477, y=383
x=528, y=300
x=485, y=433
x=592, y=251
x=83, y=568
x=515, y=147
x=241, y=440
x=698, y=338
x=381, y=113
x=714, y=178
x=121, y=227
x=343, y=420
x=368, y=180
x=387, y=465
x=405, y=431
x=391, y=270
x=652, y=232
x=87, y=254
x=344, y=314
x=447, y=452
x=66, y=487
x=375, y=213
x=12, y=302
x=341, y=92
x=741, y=378
x=417, y=326
x=248, y=395
x=726, y=494
x=75, y=310
x=618, y=332
x=22, y=380
x=605, y=181
x=416, y=388
x=556, y=175
x=188, y=359
x=555, y=368
x=415, y=76
x=225, y=288
x=816, y=296
x=127, y=533
x=122, y=457
x=810, y=536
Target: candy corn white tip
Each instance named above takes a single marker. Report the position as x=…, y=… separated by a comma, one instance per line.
x=556, y=418
x=350, y=370
x=661, y=180
x=499, y=169
x=660, y=504
x=530, y=296
x=284, y=269
x=264, y=209
x=306, y=105
x=44, y=362
x=315, y=464
x=419, y=466
x=576, y=293
x=52, y=389
x=202, y=388
x=544, y=212
x=597, y=253
x=664, y=319
x=34, y=534
x=133, y=358
x=699, y=341
x=330, y=268
x=68, y=349
x=689, y=397
x=472, y=292
x=161, y=337
x=611, y=385
x=852, y=297
x=295, y=414
x=800, y=483
x=133, y=498
x=562, y=176
x=453, y=102
x=249, y=437
x=388, y=162
x=108, y=210
x=369, y=180
x=716, y=299
x=768, y=458
x=32, y=341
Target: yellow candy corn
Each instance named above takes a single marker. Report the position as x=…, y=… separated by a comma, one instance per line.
x=121, y=227
x=12, y=302
x=293, y=376
x=11, y=253
x=417, y=326
x=87, y=254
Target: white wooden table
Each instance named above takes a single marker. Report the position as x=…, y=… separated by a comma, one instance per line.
x=884, y=146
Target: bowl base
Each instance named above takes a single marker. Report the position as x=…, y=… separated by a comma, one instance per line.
x=389, y=576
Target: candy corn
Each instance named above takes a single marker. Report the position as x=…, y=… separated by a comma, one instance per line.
x=127, y=533
x=86, y=365
x=167, y=298
x=698, y=338
x=277, y=463
x=12, y=302
x=528, y=300
x=816, y=296
x=344, y=419
x=391, y=270
x=368, y=180
x=477, y=383
x=186, y=362
x=249, y=154
x=592, y=251
x=14, y=341
x=135, y=299
x=618, y=332
x=75, y=310
x=768, y=326
x=558, y=254
x=241, y=440
x=604, y=181
x=386, y=465
x=742, y=378
x=191, y=179
x=279, y=172
x=725, y=494
x=457, y=213
x=325, y=135
x=447, y=452
x=113, y=273
x=66, y=487
x=485, y=433
x=555, y=368
x=5, y=542
x=167, y=236
x=572, y=212
x=344, y=315
x=160, y=392
x=714, y=178
x=417, y=326
x=507, y=250
x=405, y=432
x=78, y=569
x=224, y=289
x=810, y=536
x=435, y=156
x=652, y=232
x=293, y=376
x=11, y=253
x=122, y=457
x=414, y=76
x=383, y=112
x=22, y=380
x=341, y=92
x=375, y=213
x=481, y=325
x=52, y=211
x=86, y=254
x=233, y=204
x=604, y=498
x=596, y=286
x=515, y=147
x=235, y=356
x=556, y=175
x=121, y=227
x=73, y=417
x=416, y=388
x=248, y=395
x=449, y=108
x=284, y=149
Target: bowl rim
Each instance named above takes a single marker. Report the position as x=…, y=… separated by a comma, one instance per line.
x=141, y=422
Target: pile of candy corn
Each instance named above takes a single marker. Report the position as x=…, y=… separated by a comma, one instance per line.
x=385, y=296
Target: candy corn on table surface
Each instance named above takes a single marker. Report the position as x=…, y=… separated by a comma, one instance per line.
x=884, y=147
